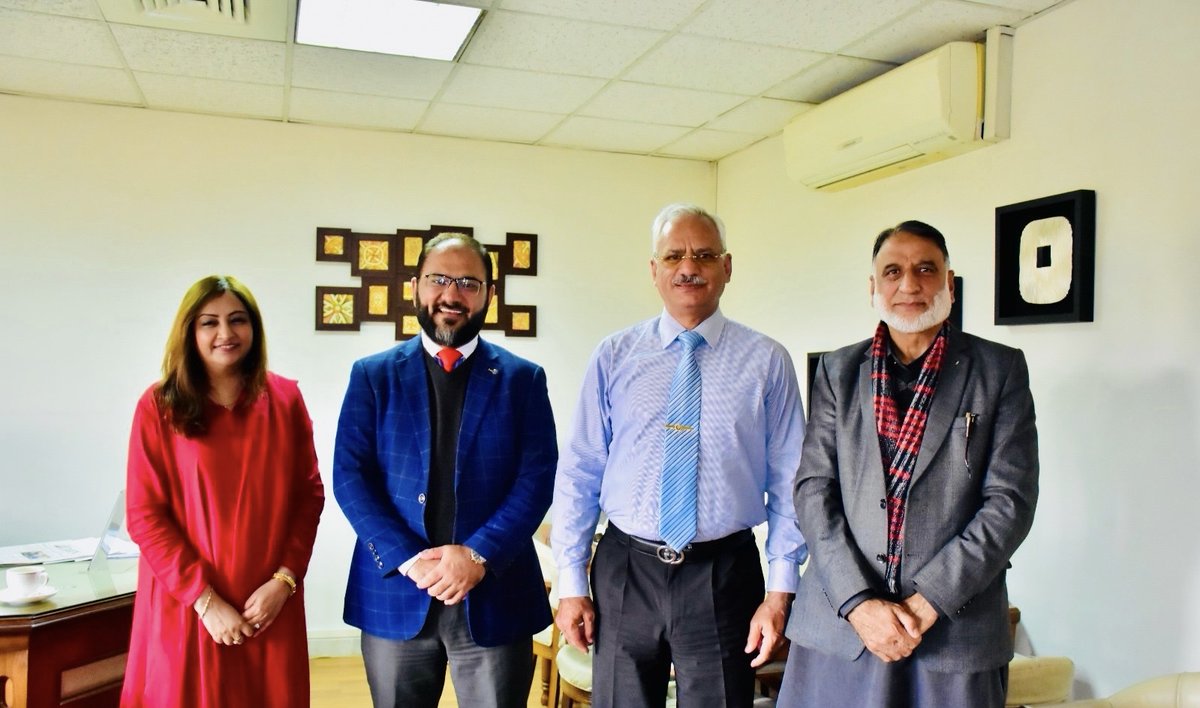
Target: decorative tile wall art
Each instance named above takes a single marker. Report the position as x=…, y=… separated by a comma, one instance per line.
x=385, y=265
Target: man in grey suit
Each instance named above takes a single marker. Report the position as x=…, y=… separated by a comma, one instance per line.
x=918, y=481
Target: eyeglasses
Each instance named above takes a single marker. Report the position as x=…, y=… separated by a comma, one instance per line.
x=672, y=260
x=466, y=284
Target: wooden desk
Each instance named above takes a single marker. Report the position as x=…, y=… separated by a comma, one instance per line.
x=69, y=650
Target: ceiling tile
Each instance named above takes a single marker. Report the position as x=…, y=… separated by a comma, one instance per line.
x=363, y=72
x=48, y=78
x=708, y=144
x=57, y=38
x=1033, y=6
x=187, y=93
x=660, y=14
x=72, y=8
x=819, y=25
x=519, y=90
x=617, y=136
x=659, y=104
x=354, y=110
x=487, y=123
x=203, y=56
x=759, y=116
x=829, y=78
x=930, y=27
x=552, y=44
x=719, y=65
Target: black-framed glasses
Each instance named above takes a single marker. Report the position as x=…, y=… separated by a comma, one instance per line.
x=672, y=260
x=466, y=284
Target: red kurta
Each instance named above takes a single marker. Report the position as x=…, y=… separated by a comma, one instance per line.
x=225, y=509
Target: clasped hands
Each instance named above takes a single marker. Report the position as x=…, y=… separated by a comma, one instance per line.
x=893, y=630
x=228, y=626
x=446, y=573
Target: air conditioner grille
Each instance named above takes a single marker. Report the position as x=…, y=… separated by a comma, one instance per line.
x=231, y=10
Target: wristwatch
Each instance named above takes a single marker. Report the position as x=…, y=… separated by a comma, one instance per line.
x=476, y=558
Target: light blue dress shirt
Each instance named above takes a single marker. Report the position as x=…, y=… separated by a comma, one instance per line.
x=751, y=432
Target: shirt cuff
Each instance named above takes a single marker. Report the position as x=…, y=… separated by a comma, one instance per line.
x=573, y=582
x=408, y=564
x=783, y=576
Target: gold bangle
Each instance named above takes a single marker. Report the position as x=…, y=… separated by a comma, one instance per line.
x=285, y=578
x=207, y=602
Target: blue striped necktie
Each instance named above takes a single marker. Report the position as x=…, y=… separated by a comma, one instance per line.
x=681, y=449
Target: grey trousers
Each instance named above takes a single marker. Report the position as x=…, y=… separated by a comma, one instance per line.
x=412, y=673
x=693, y=617
x=814, y=679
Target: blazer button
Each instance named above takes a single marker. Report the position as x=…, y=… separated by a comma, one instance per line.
x=421, y=498
x=882, y=503
x=881, y=558
x=371, y=546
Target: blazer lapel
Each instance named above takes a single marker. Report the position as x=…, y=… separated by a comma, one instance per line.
x=869, y=432
x=485, y=375
x=412, y=394
x=950, y=386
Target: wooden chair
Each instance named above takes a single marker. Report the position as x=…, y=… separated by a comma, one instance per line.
x=545, y=642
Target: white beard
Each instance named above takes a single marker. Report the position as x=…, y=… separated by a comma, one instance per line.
x=936, y=314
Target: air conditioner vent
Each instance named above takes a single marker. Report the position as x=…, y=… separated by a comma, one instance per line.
x=232, y=10
x=251, y=19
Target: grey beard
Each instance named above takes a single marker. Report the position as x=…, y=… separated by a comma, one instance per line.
x=937, y=313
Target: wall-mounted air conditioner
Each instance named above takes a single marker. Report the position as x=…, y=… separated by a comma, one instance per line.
x=926, y=110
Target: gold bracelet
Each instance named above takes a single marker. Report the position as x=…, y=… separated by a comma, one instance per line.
x=207, y=602
x=285, y=578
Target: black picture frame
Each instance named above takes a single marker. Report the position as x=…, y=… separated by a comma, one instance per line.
x=1078, y=208
x=956, y=309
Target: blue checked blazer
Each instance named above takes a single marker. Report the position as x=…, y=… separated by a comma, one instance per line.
x=507, y=452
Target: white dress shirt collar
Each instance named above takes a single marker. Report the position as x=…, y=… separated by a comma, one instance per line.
x=433, y=347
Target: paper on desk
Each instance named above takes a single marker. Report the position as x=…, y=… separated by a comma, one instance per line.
x=64, y=551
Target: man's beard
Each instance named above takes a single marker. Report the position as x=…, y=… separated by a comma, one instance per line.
x=450, y=336
x=936, y=314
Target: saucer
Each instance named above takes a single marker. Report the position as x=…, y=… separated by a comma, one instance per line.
x=8, y=597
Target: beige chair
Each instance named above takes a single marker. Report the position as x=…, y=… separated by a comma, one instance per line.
x=545, y=642
x=1039, y=680
x=1170, y=691
x=574, y=677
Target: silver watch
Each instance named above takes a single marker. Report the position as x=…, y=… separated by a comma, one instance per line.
x=476, y=558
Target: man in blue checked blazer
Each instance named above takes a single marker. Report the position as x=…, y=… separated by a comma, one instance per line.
x=444, y=465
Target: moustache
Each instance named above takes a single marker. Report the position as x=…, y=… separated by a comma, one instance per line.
x=690, y=280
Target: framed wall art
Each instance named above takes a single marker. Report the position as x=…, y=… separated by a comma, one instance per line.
x=385, y=265
x=1045, y=259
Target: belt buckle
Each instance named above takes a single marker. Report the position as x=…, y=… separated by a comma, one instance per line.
x=669, y=555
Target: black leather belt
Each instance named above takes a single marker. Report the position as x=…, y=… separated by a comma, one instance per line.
x=693, y=552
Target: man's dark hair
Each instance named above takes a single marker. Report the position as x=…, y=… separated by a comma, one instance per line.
x=467, y=241
x=917, y=228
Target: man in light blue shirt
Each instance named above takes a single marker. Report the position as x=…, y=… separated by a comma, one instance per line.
x=700, y=608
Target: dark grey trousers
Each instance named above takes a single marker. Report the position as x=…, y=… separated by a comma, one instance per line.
x=694, y=616
x=814, y=679
x=412, y=673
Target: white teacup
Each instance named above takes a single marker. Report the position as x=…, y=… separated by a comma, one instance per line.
x=26, y=580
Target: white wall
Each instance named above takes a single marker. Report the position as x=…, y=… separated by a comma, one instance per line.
x=109, y=214
x=1102, y=99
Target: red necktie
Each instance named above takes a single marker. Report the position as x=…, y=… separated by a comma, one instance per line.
x=449, y=358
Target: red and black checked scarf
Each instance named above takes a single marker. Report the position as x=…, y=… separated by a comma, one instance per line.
x=899, y=442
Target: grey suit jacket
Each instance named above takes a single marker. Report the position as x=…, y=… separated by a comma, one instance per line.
x=970, y=503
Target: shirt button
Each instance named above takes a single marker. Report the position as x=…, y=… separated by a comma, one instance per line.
x=421, y=498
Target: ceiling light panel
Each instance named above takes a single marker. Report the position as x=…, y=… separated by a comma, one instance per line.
x=411, y=28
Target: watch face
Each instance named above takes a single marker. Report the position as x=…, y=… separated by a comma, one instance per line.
x=477, y=558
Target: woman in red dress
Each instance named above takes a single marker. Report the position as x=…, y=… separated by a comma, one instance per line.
x=223, y=498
